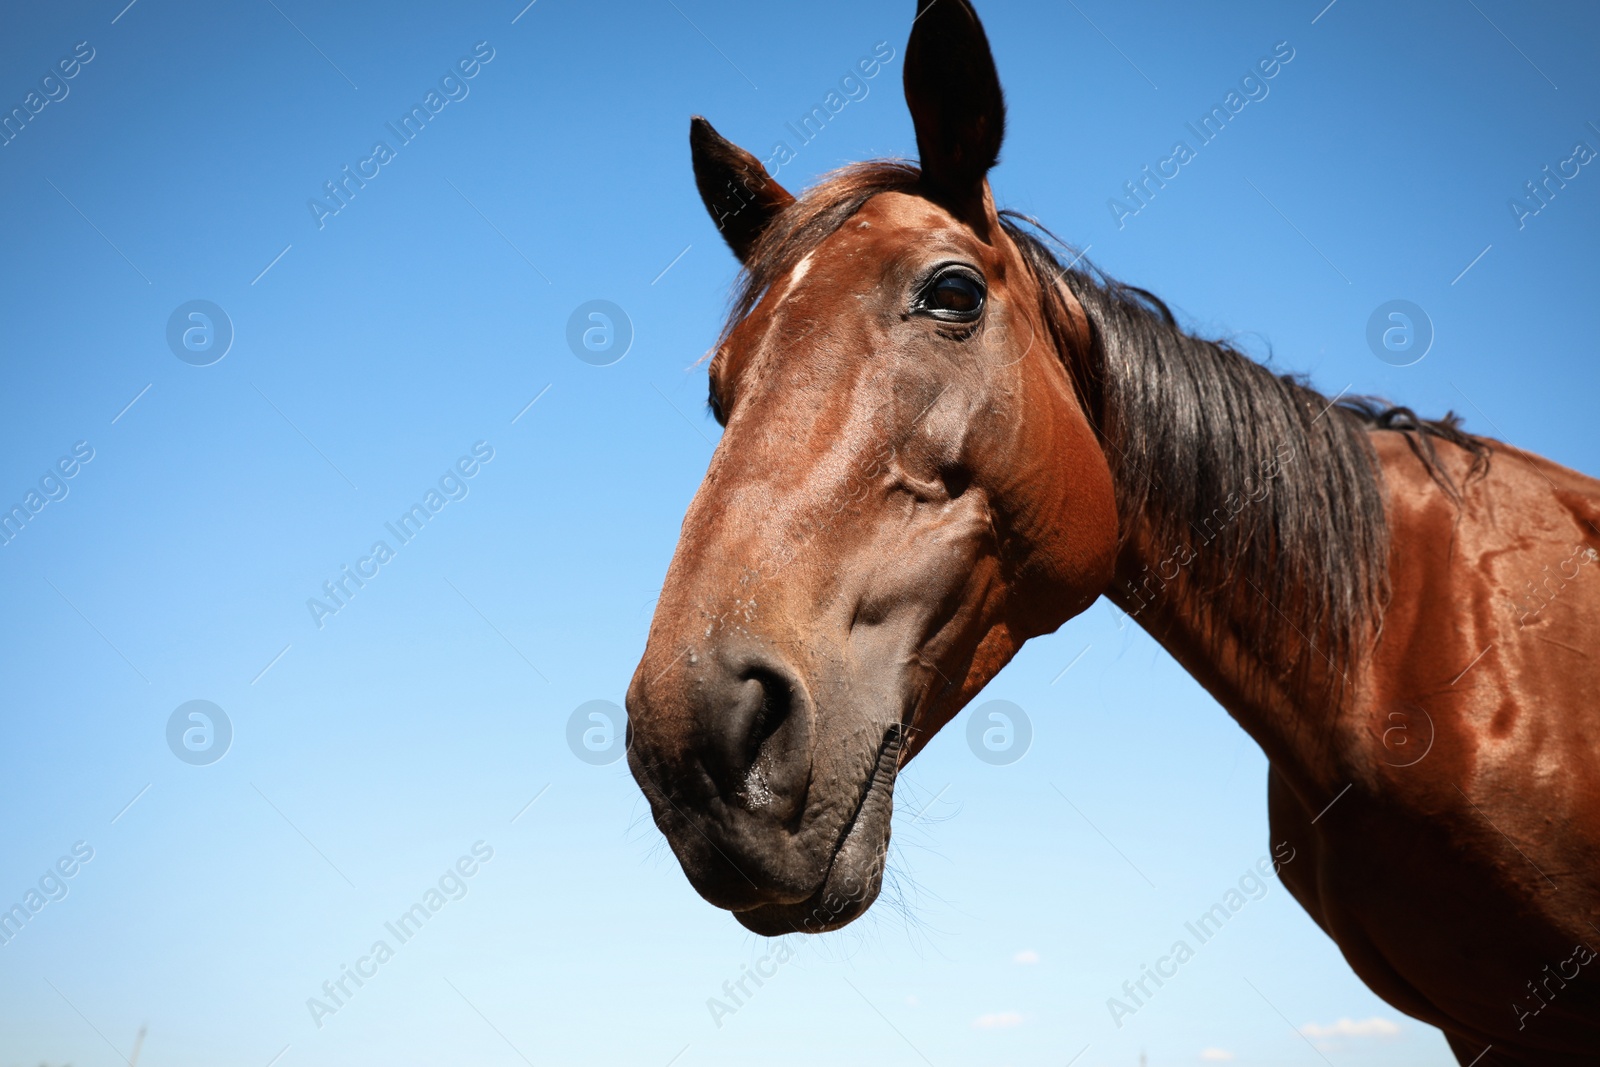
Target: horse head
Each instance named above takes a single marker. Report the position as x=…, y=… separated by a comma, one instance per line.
x=907, y=488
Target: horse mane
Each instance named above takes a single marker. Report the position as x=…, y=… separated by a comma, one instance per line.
x=1265, y=492
x=1270, y=486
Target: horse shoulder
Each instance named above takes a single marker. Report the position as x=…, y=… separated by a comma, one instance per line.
x=1465, y=858
x=1491, y=637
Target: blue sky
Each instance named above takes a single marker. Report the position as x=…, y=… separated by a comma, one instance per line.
x=375, y=348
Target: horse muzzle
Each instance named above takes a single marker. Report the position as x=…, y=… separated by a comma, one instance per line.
x=723, y=745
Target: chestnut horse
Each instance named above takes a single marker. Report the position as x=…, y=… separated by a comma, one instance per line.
x=940, y=441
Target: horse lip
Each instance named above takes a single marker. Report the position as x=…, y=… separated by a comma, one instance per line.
x=813, y=915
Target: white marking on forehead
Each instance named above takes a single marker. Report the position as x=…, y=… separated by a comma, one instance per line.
x=796, y=275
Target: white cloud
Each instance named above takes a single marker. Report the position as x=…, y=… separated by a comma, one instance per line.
x=1027, y=955
x=1373, y=1027
x=1219, y=1055
x=998, y=1020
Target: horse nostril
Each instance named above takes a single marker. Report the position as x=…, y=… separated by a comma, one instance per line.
x=760, y=740
x=777, y=702
x=956, y=479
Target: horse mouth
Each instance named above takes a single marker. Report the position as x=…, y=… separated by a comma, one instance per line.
x=855, y=874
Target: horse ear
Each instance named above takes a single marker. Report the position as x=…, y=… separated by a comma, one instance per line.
x=737, y=190
x=954, y=95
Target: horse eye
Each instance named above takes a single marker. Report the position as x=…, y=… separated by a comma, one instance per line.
x=955, y=296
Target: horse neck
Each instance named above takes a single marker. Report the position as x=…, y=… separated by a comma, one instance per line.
x=1255, y=537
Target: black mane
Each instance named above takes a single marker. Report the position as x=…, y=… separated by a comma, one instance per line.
x=1268, y=488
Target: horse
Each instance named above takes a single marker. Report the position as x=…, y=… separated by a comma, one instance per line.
x=940, y=441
